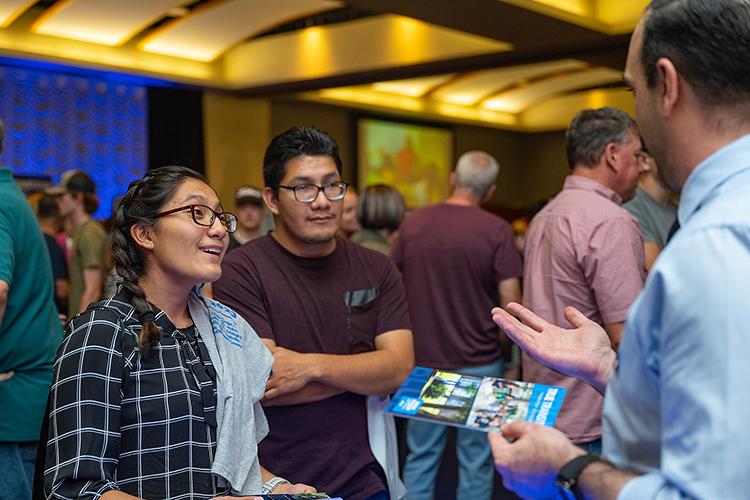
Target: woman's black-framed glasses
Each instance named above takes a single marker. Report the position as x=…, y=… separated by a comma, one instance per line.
x=206, y=216
x=307, y=193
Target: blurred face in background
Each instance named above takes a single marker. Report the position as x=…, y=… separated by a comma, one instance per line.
x=249, y=216
x=349, y=222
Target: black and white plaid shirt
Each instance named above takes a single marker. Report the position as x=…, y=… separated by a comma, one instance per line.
x=118, y=421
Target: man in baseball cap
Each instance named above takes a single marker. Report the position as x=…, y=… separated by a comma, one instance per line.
x=73, y=180
x=250, y=210
x=75, y=197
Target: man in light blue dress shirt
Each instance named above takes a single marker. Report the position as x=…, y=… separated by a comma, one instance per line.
x=677, y=406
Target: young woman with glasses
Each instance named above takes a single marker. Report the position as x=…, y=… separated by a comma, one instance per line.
x=156, y=391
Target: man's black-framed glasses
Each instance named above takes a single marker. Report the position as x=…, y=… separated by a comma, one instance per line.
x=206, y=216
x=306, y=193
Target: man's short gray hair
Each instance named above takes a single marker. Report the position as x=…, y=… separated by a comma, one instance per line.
x=476, y=171
x=590, y=132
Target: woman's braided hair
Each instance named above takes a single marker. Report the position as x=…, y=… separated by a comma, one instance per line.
x=144, y=199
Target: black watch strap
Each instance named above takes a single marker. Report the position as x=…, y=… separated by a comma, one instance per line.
x=567, y=479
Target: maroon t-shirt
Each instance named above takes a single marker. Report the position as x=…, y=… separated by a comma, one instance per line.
x=336, y=304
x=452, y=258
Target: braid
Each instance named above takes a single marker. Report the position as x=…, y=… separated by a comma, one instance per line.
x=129, y=265
x=142, y=202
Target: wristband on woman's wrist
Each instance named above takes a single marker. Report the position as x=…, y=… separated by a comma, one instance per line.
x=272, y=484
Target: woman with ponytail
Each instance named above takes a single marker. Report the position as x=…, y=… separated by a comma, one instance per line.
x=156, y=391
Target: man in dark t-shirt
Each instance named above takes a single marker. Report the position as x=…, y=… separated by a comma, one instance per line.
x=458, y=262
x=333, y=314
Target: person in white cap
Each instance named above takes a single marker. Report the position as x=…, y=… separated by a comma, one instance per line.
x=250, y=211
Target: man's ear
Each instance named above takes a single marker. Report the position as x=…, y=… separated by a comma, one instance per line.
x=271, y=200
x=488, y=195
x=142, y=235
x=611, y=159
x=672, y=85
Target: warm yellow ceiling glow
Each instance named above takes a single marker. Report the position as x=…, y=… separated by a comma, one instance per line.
x=474, y=87
x=108, y=23
x=556, y=113
x=607, y=16
x=577, y=7
x=524, y=90
x=363, y=96
x=209, y=32
x=11, y=9
x=410, y=40
x=363, y=45
x=89, y=55
x=316, y=51
x=525, y=96
x=412, y=87
x=620, y=12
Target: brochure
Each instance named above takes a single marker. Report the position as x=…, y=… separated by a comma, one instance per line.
x=473, y=402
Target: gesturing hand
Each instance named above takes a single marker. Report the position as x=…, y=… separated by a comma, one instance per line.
x=584, y=352
x=530, y=464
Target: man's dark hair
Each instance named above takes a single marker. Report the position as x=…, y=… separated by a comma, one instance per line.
x=296, y=142
x=47, y=208
x=90, y=202
x=590, y=132
x=708, y=41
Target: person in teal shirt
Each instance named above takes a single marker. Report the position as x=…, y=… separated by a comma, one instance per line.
x=30, y=332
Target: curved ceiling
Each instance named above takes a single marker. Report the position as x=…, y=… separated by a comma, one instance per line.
x=489, y=61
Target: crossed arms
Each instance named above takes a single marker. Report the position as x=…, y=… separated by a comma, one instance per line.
x=306, y=377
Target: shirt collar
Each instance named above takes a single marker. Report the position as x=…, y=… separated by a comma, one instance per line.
x=161, y=319
x=585, y=184
x=710, y=173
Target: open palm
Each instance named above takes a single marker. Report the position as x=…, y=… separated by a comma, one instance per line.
x=584, y=352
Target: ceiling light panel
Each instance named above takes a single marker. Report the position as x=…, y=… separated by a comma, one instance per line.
x=412, y=87
x=522, y=97
x=111, y=23
x=208, y=33
x=11, y=9
x=471, y=89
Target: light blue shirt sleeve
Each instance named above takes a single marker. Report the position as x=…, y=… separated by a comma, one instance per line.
x=677, y=407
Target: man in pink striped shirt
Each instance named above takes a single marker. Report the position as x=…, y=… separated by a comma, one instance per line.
x=583, y=250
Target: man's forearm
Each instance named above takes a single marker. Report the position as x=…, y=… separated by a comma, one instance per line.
x=602, y=481
x=310, y=393
x=373, y=373
x=89, y=296
x=92, y=287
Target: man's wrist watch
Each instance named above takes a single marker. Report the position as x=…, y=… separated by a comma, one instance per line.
x=272, y=484
x=567, y=479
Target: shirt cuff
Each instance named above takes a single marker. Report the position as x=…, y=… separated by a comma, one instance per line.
x=643, y=487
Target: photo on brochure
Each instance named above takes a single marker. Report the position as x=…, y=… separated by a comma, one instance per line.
x=474, y=402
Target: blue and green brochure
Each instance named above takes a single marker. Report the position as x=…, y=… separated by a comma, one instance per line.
x=473, y=402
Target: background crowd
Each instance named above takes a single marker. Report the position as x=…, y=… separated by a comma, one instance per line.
x=201, y=343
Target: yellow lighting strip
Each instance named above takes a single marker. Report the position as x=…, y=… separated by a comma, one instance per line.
x=34, y=46
x=612, y=17
x=15, y=15
x=358, y=96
